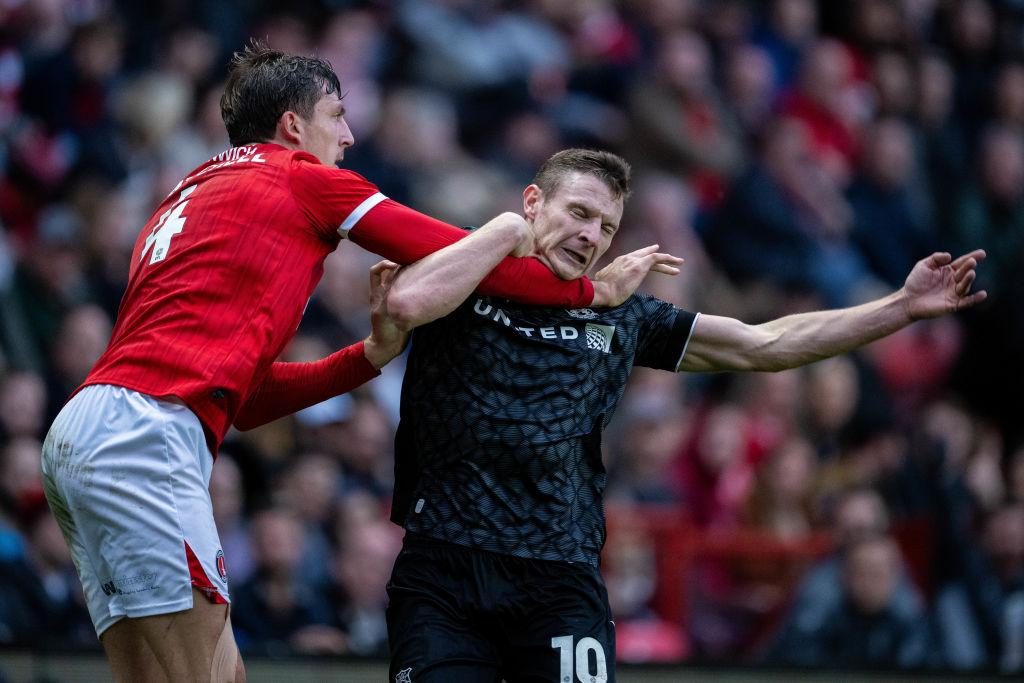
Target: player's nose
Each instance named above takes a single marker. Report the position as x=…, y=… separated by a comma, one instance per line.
x=345, y=137
x=590, y=232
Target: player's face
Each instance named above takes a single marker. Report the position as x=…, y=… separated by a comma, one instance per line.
x=573, y=226
x=326, y=134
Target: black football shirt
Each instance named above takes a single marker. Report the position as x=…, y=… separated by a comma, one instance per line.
x=503, y=405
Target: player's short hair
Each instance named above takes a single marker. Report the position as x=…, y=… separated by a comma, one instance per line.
x=610, y=168
x=264, y=83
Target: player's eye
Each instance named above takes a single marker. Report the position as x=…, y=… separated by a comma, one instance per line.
x=608, y=228
x=579, y=213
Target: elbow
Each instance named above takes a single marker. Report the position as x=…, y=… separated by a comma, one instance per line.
x=404, y=309
x=514, y=227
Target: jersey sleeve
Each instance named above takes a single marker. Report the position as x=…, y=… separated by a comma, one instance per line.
x=403, y=235
x=664, y=333
x=290, y=387
x=333, y=200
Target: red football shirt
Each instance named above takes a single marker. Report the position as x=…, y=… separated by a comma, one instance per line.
x=222, y=271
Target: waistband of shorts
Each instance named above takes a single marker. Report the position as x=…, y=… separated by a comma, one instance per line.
x=417, y=540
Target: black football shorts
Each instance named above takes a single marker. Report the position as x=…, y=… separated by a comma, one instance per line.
x=462, y=615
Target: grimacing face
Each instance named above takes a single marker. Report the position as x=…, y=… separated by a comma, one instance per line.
x=326, y=134
x=574, y=225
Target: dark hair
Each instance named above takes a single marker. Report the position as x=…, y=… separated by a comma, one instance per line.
x=610, y=168
x=263, y=84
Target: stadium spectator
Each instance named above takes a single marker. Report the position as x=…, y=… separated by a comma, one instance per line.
x=789, y=29
x=825, y=102
x=716, y=470
x=782, y=501
x=360, y=567
x=277, y=610
x=785, y=222
x=979, y=612
x=877, y=623
x=991, y=211
x=892, y=226
x=308, y=488
x=678, y=120
x=22, y=405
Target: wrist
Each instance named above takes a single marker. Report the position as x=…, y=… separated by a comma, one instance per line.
x=905, y=300
x=602, y=293
x=377, y=354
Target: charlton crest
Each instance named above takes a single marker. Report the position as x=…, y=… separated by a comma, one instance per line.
x=404, y=676
x=222, y=567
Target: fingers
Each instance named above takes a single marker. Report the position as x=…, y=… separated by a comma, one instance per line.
x=968, y=301
x=646, y=251
x=663, y=268
x=965, y=271
x=939, y=259
x=963, y=282
x=977, y=255
x=665, y=263
x=384, y=265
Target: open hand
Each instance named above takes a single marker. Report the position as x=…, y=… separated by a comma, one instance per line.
x=387, y=338
x=939, y=284
x=617, y=281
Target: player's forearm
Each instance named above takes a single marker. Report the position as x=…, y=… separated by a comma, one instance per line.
x=803, y=338
x=435, y=285
x=290, y=387
x=406, y=236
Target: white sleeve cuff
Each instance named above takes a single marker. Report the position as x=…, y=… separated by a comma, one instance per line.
x=358, y=213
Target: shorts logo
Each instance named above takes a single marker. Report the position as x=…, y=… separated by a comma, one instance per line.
x=404, y=676
x=599, y=337
x=581, y=313
x=127, y=585
x=222, y=567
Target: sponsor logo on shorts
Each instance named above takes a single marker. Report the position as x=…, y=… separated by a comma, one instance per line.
x=222, y=567
x=126, y=585
x=404, y=676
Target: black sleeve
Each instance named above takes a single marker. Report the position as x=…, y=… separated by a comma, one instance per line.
x=663, y=335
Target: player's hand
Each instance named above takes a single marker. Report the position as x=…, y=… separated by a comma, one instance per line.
x=939, y=284
x=386, y=338
x=617, y=281
x=526, y=243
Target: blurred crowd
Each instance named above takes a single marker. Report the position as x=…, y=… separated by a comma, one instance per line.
x=798, y=154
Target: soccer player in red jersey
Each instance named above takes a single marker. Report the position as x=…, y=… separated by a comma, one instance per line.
x=219, y=279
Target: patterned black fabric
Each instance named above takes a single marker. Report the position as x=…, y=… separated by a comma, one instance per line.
x=499, y=445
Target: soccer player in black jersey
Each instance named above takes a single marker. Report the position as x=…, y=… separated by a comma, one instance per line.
x=499, y=479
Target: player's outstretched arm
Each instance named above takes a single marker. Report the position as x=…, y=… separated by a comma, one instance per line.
x=617, y=281
x=400, y=234
x=937, y=285
x=290, y=387
x=435, y=285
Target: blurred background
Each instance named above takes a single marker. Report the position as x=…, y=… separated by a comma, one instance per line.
x=866, y=512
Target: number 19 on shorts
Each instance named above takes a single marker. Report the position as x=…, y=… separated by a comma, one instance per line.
x=588, y=669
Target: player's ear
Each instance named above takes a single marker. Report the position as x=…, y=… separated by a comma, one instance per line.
x=289, y=127
x=532, y=196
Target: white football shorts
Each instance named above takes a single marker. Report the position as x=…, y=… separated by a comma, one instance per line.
x=127, y=477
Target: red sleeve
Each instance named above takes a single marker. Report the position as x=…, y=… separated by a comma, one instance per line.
x=398, y=233
x=289, y=387
x=332, y=199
